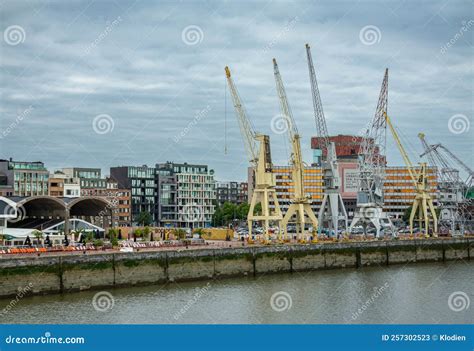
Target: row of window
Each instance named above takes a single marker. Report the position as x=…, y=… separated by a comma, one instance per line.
x=95, y=183
x=143, y=182
x=134, y=172
x=146, y=191
x=87, y=174
x=25, y=176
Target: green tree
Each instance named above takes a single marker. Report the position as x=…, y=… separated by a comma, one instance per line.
x=145, y=219
x=406, y=214
x=98, y=243
x=179, y=233
x=225, y=214
x=257, y=209
x=243, y=211
x=114, y=241
x=38, y=235
x=146, y=233
x=89, y=237
x=112, y=233
x=199, y=231
x=138, y=232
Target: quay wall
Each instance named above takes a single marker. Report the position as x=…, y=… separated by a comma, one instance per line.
x=48, y=274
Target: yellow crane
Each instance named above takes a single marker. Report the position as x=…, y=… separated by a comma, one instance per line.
x=261, y=161
x=301, y=203
x=423, y=202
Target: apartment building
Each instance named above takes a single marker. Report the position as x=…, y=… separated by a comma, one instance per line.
x=60, y=185
x=233, y=192
x=23, y=178
x=191, y=198
x=141, y=182
x=90, y=178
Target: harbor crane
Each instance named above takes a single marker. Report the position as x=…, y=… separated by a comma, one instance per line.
x=453, y=189
x=300, y=204
x=423, y=202
x=332, y=208
x=261, y=161
x=371, y=166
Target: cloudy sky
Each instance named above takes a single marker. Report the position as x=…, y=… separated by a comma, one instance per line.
x=108, y=83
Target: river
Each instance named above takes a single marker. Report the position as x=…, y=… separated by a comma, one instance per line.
x=416, y=293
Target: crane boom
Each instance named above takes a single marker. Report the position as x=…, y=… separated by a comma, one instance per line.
x=332, y=199
x=284, y=105
x=246, y=128
x=466, y=168
x=301, y=204
x=423, y=201
x=321, y=126
x=296, y=157
x=446, y=173
x=427, y=151
x=452, y=188
x=372, y=160
x=406, y=159
x=264, y=190
x=371, y=166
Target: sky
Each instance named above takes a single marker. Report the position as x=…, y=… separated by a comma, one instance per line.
x=110, y=83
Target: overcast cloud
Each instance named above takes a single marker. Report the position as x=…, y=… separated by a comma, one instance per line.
x=154, y=74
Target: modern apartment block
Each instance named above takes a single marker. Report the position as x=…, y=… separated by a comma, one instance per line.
x=60, y=185
x=190, y=202
x=141, y=182
x=90, y=178
x=233, y=192
x=175, y=194
x=19, y=178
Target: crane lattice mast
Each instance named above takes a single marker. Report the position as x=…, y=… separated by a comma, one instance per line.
x=332, y=199
x=371, y=166
x=452, y=188
x=301, y=203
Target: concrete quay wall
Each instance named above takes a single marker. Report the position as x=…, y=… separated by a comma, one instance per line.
x=60, y=274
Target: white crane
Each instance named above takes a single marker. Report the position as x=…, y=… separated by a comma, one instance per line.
x=452, y=188
x=332, y=208
x=372, y=170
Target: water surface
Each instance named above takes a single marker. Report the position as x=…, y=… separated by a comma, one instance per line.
x=417, y=293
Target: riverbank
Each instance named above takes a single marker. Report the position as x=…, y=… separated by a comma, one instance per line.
x=59, y=274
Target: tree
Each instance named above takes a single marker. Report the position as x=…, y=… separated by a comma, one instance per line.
x=89, y=237
x=112, y=233
x=257, y=209
x=179, y=233
x=145, y=219
x=38, y=235
x=145, y=233
x=98, y=243
x=114, y=242
x=199, y=231
x=406, y=214
x=243, y=211
x=137, y=233
x=226, y=213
